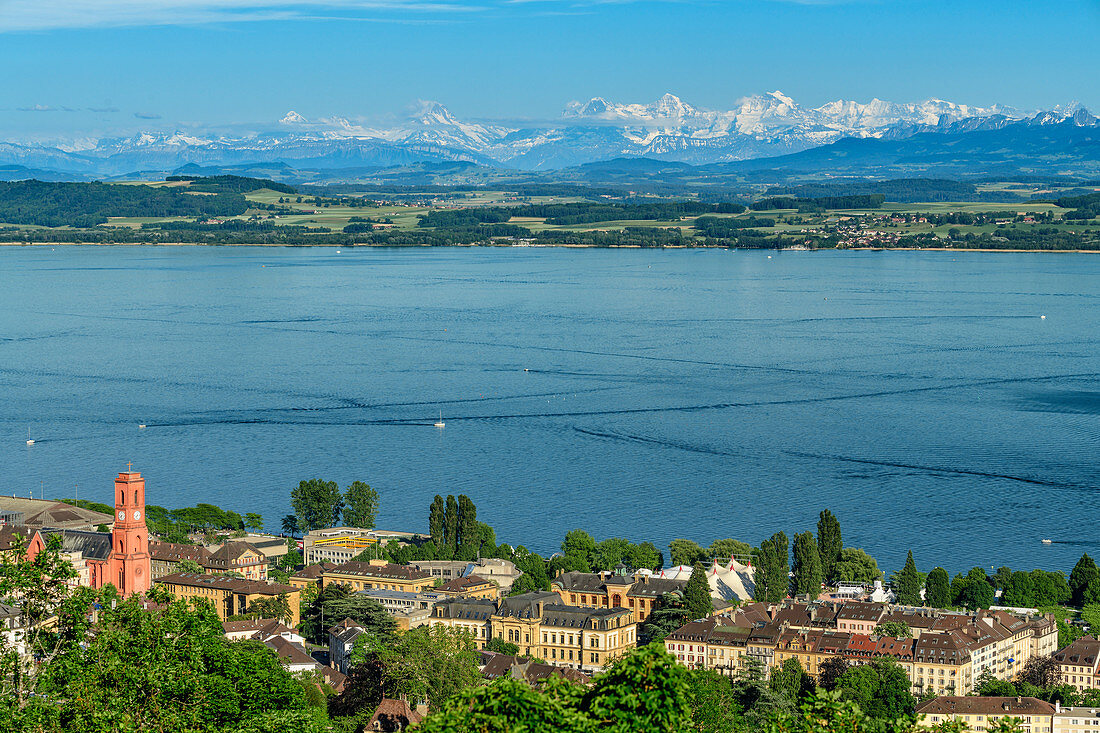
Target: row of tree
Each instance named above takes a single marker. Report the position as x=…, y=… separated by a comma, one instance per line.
x=318, y=504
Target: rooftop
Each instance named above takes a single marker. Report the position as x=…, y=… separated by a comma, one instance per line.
x=1015, y=706
x=227, y=583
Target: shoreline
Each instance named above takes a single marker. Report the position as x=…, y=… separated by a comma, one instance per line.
x=536, y=246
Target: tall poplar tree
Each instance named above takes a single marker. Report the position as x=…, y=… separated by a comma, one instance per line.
x=807, y=565
x=771, y=572
x=829, y=543
x=469, y=533
x=450, y=524
x=1084, y=581
x=437, y=521
x=908, y=589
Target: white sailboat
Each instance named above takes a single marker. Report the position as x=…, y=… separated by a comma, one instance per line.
x=30, y=440
x=441, y=424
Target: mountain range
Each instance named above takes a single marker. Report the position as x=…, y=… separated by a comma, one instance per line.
x=769, y=130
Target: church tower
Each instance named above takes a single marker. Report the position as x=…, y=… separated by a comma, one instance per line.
x=130, y=570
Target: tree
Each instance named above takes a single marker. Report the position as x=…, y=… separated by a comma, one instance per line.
x=685, y=552
x=1018, y=590
x=450, y=527
x=611, y=553
x=829, y=543
x=254, y=522
x=170, y=668
x=856, y=566
x=807, y=565
x=1042, y=672
x=437, y=522
x=644, y=555
x=896, y=629
x=335, y=603
x=937, y=589
x=790, y=680
x=500, y=646
x=972, y=590
x=1090, y=614
x=880, y=689
x=722, y=549
x=1084, y=581
x=277, y=607
x=361, y=505
x=772, y=569
x=908, y=587
x=713, y=703
x=667, y=615
x=697, y=594
x=989, y=686
x=187, y=565
x=290, y=525
x=469, y=534
x=1050, y=588
x=830, y=671
x=317, y=504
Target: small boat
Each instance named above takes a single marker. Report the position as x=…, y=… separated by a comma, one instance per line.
x=141, y=426
x=441, y=424
x=30, y=441
x=1042, y=318
x=1047, y=542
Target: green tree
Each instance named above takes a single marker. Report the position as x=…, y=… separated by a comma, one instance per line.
x=1084, y=581
x=1051, y=588
x=290, y=525
x=469, y=533
x=908, y=587
x=187, y=565
x=667, y=615
x=829, y=543
x=722, y=549
x=317, y=504
x=807, y=565
x=856, y=566
x=771, y=573
x=880, y=689
x=830, y=671
x=361, y=505
x=1018, y=590
x=896, y=629
x=713, y=703
x=685, y=552
x=437, y=521
x=610, y=553
x=450, y=526
x=276, y=607
x=1090, y=614
x=972, y=590
x=697, y=594
x=644, y=555
x=500, y=646
x=335, y=603
x=937, y=589
x=254, y=522
x=1043, y=672
x=790, y=680
x=646, y=690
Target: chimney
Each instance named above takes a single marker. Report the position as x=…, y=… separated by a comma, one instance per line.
x=1057, y=706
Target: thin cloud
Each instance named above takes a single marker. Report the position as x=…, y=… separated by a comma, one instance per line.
x=103, y=109
x=146, y=116
x=44, y=108
x=34, y=15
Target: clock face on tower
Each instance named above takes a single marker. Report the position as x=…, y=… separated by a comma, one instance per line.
x=122, y=515
x=137, y=516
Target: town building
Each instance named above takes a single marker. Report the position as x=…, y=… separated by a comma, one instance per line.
x=982, y=713
x=262, y=629
x=12, y=630
x=502, y=572
x=230, y=596
x=38, y=513
x=409, y=610
x=470, y=586
x=119, y=557
x=1076, y=719
x=273, y=548
x=495, y=666
x=340, y=544
x=341, y=642
x=1080, y=663
x=637, y=592
x=393, y=715
x=472, y=615
x=713, y=643
x=310, y=575
x=378, y=574
x=239, y=557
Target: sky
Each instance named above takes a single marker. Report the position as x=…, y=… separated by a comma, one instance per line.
x=97, y=67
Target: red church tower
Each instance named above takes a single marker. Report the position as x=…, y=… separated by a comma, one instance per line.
x=129, y=566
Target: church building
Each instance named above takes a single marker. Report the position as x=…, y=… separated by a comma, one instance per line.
x=119, y=557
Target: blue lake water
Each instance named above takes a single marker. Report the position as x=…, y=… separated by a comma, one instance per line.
x=645, y=394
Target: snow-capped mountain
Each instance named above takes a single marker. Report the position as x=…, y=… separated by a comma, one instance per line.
x=668, y=128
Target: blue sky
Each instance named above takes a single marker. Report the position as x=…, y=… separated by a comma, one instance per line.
x=98, y=66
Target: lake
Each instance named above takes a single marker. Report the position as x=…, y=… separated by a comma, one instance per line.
x=646, y=394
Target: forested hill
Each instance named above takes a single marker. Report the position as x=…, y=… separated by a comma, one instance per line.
x=231, y=184
x=89, y=204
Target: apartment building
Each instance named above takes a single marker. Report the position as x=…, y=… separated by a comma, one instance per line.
x=377, y=574
x=637, y=592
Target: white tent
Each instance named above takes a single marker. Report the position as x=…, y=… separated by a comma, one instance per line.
x=729, y=581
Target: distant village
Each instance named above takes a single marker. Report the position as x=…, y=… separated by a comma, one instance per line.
x=576, y=628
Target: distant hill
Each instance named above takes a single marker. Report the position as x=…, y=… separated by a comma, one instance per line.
x=1040, y=145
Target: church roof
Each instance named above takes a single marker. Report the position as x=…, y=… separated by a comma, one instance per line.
x=89, y=545
x=38, y=513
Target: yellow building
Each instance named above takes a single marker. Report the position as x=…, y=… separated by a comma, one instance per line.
x=472, y=586
x=981, y=713
x=230, y=596
x=1080, y=663
x=637, y=592
x=540, y=626
x=377, y=574
x=713, y=643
